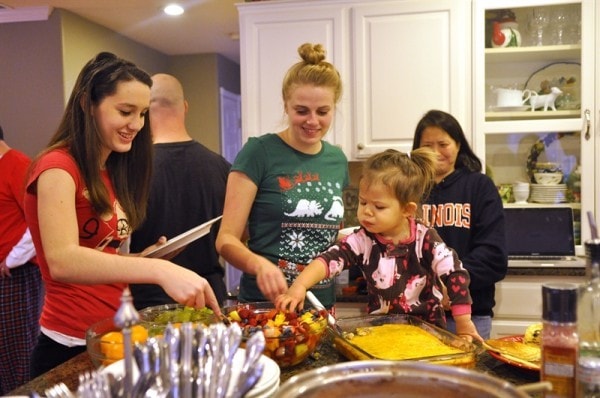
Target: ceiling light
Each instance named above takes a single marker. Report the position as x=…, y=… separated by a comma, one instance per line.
x=173, y=9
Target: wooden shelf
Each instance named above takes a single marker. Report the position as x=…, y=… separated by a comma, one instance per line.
x=539, y=53
x=521, y=115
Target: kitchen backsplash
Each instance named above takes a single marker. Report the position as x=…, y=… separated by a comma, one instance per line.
x=351, y=195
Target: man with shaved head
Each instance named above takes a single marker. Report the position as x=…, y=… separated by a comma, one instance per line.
x=188, y=188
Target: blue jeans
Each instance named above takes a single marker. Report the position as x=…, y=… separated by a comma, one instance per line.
x=483, y=323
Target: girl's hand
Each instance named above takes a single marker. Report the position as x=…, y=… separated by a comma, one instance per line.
x=188, y=288
x=292, y=300
x=161, y=241
x=466, y=329
x=270, y=280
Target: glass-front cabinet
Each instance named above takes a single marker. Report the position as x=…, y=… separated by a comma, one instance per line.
x=534, y=110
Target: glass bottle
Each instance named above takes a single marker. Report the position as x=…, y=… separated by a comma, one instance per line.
x=588, y=325
x=559, y=338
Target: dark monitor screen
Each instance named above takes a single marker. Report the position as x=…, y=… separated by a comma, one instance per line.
x=546, y=231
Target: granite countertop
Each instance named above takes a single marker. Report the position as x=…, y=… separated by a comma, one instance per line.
x=69, y=372
x=325, y=355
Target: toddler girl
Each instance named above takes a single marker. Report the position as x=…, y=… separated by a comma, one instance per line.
x=407, y=266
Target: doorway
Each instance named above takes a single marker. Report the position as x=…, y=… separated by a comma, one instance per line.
x=231, y=124
x=231, y=143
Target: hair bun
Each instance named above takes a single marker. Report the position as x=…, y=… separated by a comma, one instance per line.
x=312, y=53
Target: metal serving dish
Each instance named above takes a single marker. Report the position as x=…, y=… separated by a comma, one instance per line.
x=466, y=358
x=391, y=379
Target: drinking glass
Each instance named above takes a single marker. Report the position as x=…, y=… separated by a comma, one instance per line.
x=538, y=21
x=559, y=22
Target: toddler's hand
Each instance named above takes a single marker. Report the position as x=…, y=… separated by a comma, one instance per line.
x=292, y=300
x=466, y=329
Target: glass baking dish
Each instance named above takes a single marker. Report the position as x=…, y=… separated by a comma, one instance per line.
x=344, y=345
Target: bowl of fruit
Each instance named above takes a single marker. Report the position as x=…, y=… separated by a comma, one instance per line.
x=104, y=341
x=290, y=336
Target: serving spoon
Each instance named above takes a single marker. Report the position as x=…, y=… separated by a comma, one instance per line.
x=330, y=318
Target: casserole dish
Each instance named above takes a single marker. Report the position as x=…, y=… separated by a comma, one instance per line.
x=415, y=346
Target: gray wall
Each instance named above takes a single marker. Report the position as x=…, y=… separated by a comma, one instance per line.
x=31, y=85
x=201, y=76
x=41, y=61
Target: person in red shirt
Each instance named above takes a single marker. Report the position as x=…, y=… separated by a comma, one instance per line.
x=84, y=195
x=20, y=281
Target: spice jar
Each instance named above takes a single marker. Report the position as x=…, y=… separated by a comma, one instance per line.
x=559, y=338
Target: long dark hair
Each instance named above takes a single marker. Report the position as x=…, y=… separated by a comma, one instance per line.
x=434, y=118
x=129, y=171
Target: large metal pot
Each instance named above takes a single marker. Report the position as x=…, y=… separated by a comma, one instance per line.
x=390, y=379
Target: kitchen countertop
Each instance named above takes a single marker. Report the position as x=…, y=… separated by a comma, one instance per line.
x=325, y=355
x=69, y=372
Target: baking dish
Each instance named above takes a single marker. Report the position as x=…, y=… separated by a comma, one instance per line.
x=344, y=345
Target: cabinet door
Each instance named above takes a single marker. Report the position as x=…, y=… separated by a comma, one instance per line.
x=515, y=140
x=519, y=301
x=408, y=57
x=269, y=37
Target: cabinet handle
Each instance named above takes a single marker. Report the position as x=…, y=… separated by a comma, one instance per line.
x=587, y=124
x=360, y=146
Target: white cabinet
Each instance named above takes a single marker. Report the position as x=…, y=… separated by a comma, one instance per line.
x=397, y=58
x=512, y=139
x=408, y=57
x=270, y=34
x=519, y=302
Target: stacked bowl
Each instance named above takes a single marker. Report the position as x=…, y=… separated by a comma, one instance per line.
x=520, y=191
x=548, y=187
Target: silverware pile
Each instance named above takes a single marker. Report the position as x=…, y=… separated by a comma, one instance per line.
x=187, y=362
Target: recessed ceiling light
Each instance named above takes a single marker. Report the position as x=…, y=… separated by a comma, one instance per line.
x=173, y=9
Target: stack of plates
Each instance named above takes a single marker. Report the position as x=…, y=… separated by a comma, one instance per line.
x=268, y=383
x=551, y=193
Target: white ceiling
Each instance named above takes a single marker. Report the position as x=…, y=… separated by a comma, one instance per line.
x=207, y=26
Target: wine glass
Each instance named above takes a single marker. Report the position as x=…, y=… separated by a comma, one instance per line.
x=559, y=20
x=538, y=21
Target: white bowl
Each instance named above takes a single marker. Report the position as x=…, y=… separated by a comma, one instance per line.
x=548, y=178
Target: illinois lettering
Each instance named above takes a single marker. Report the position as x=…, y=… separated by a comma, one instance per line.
x=448, y=215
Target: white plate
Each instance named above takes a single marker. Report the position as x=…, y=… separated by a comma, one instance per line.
x=511, y=108
x=269, y=380
x=548, y=186
x=183, y=239
x=558, y=74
